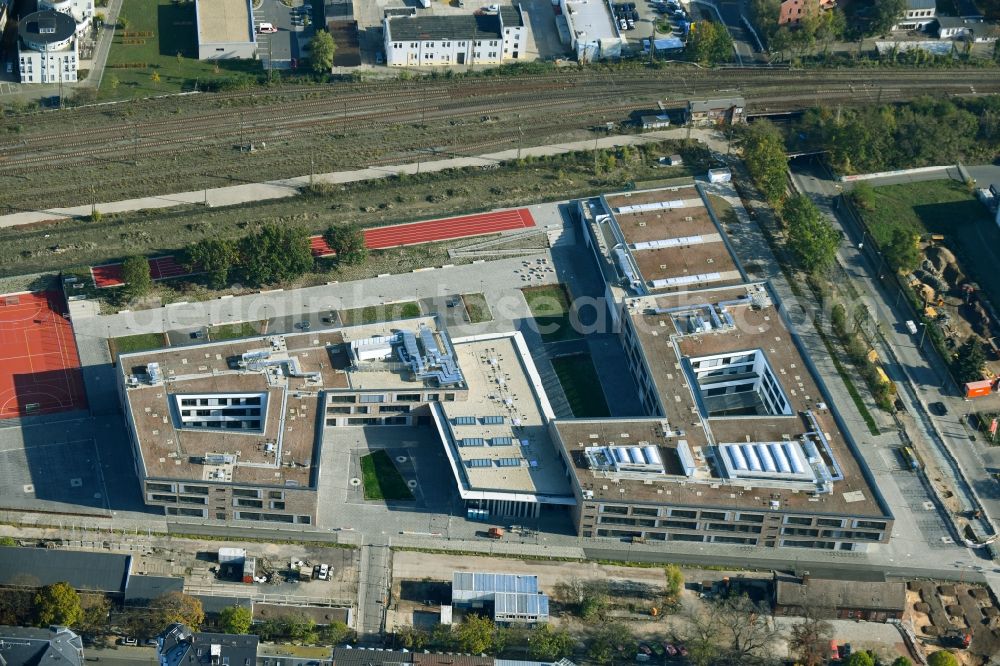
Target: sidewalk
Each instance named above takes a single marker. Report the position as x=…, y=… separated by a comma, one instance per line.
x=289, y=187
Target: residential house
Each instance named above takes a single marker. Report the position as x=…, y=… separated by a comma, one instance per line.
x=179, y=645
x=918, y=15
x=29, y=646
x=973, y=30
x=792, y=11
x=729, y=110
x=491, y=38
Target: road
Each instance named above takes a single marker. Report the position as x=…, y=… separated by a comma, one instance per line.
x=918, y=368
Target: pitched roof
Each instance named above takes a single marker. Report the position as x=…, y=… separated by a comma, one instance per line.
x=921, y=4
x=28, y=646
x=430, y=28
x=834, y=594
x=360, y=657
x=35, y=567
x=146, y=588
x=178, y=644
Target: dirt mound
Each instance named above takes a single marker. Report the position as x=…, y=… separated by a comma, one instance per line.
x=930, y=630
x=954, y=610
x=946, y=590
x=979, y=594
x=922, y=607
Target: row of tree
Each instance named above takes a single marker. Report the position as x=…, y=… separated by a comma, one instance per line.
x=810, y=236
x=270, y=255
x=923, y=132
x=709, y=43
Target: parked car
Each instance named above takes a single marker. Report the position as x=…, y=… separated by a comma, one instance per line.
x=938, y=408
x=324, y=571
x=266, y=28
x=671, y=650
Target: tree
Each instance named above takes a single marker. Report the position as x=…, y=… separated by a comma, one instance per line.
x=215, y=256
x=810, y=236
x=901, y=250
x=275, y=253
x=764, y=154
x=96, y=610
x=476, y=634
x=969, y=361
x=709, y=43
x=860, y=659
x=348, y=241
x=155, y=77
x=863, y=195
x=902, y=661
x=336, y=633
x=176, y=607
x=321, y=51
x=810, y=638
x=57, y=604
x=7, y=541
x=298, y=627
x=675, y=580
x=611, y=643
x=548, y=644
x=885, y=14
x=745, y=630
x=135, y=275
x=412, y=638
x=235, y=620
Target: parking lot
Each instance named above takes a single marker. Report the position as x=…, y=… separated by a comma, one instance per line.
x=293, y=26
x=646, y=15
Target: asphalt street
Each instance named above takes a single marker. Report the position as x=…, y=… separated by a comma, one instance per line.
x=919, y=367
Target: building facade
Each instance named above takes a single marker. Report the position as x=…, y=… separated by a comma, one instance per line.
x=791, y=12
x=82, y=11
x=425, y=41
x=918, y=15
x=47, y=48
x=225, y=30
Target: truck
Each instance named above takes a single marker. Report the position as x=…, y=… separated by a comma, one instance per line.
x=911, y=327
x=495, y=533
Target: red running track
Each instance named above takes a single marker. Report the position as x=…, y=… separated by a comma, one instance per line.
x=436, y=230
x=379, y=238
x=39, y=364
x=160, y=268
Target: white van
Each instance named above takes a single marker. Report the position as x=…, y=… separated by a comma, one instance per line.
x=265, y=28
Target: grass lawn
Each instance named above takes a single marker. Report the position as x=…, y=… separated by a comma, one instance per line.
x=943, y=207
x=233, y=331
x=382, y=481
x=136, y=343
x=477, y=307
x=550, y=307
x=581, y=385
x=377, y=313
x=157, y=31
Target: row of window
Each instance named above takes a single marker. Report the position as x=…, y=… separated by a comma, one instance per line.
x=444, y=44
x=369, y=398
x=621, y=510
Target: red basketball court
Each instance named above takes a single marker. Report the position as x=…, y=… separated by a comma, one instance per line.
x=160, y=268
x=39, y=364
x=436, y=230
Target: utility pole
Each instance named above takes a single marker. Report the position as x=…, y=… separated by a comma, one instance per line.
x=312, y=168
x=520, y=138
x=135, y=143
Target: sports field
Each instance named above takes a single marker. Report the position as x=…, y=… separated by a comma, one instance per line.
x=39, y=364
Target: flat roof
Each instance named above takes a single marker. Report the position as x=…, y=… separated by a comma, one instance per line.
x=224, y=21
x=670, y=239
x=390, y=374
x=591, y=20
x=506, y=415
x=757, y=326
x=289, y=419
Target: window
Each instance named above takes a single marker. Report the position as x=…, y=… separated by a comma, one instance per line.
x=870, y=524
x=713, y=515
x=798, y=520
x=194, y=490
x=192, y=500
x=245, y=492
x=164, y=487
x=280, y=506
x=303, y=520
x=829, y=522
x=683, y=513
x=645, y=511
x=163, y=498
x=341, y=398
x=276, y=494
x=255, y=504
x=408, y=397
x=679, y=524
x=620, y=510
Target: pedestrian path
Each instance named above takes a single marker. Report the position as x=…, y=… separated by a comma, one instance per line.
x=289, y=187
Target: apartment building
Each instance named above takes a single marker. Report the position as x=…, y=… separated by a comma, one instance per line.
x=488, y=38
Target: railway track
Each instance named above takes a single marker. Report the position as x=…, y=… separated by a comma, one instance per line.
x=383, y=122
